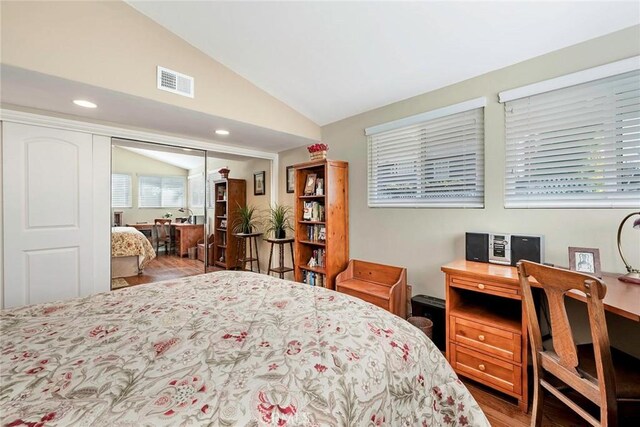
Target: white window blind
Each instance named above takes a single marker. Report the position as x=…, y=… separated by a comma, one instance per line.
x=161, y=191
x=120, y=190
x=196, y=191
x=575, y=147
x=434, y=163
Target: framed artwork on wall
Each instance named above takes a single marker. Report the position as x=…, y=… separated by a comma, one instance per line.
x=585, y=260
x=291, y=179
x=258, y=183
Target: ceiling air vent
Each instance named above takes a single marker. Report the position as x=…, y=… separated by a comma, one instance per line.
x=175, y=82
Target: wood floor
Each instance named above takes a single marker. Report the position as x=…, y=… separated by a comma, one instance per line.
x=503, y=413
x=166, y=267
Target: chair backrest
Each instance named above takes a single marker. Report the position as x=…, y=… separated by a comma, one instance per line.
x=161, y=227
x=563, y=361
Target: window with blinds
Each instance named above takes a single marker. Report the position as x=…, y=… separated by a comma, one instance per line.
x=120, y=190
x=161, y=191
x=437, y=162
x=575, y=147
x=196, y=191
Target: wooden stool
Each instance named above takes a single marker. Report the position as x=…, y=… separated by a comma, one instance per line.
x=243, y=259
x=281, y=269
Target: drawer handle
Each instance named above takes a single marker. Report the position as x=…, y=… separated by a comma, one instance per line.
x=480, y=286
x=480, y=337
x=481, y=367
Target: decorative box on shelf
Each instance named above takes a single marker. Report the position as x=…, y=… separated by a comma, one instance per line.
x=318, y=155
x=318, y=151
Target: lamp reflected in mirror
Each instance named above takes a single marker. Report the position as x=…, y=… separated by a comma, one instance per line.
x=192, y=218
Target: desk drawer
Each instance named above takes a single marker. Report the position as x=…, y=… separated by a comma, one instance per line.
x=503, y=376
x=494, y=341
x=510, y=291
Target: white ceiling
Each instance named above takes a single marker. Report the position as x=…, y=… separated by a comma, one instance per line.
x=184, y=158
x=25, y=88
x=331, y=60
x=184, y=161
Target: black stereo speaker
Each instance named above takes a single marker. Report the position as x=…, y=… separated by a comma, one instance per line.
x=530, y=248
x=477, y=247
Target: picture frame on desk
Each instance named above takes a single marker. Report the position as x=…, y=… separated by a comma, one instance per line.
x=585, y=260
x=291, y=179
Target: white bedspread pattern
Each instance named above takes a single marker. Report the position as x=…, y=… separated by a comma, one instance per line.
x=226, y=348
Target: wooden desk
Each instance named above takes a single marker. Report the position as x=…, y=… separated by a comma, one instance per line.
x=486, y=328
x=141, y=227
x=186, y=236
x=622, y=298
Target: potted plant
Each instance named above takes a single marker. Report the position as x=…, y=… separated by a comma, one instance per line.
x=279, y=220
x=247, y=219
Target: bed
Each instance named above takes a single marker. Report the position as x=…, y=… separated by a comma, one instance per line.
x=131, y=251
x=224, y=348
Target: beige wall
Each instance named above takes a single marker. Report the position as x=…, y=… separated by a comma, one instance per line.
x=111, y=45
x=424, y=239
x=244, y=169
x=260, y=202
x=128, y=162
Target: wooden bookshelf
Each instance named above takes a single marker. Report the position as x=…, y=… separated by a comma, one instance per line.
x=233, y=193
x=335, y=200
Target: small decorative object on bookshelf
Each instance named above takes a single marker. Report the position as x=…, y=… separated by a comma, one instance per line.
x=317, y=258
x=224, y=172
x=318, y=151
x=310, y=186
x=321, y=221
x=319, y=188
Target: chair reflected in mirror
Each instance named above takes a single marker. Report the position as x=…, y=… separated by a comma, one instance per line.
x=163, y=235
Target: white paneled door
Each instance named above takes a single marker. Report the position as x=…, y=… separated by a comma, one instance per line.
x=50, y=227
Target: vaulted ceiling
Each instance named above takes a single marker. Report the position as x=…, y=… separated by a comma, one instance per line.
x=332, y=60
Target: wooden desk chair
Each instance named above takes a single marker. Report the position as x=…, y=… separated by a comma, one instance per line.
x=163, y=238
x=605, y=376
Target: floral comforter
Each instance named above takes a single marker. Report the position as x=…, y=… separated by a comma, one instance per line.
x=225, y=348
x=127, y=241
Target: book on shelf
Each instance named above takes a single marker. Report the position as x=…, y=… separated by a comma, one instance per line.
x=316, y=233
x=313, y=211
x=312, y=278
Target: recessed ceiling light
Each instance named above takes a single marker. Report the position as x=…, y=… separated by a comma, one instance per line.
x=222, y=132
x=83, y=103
